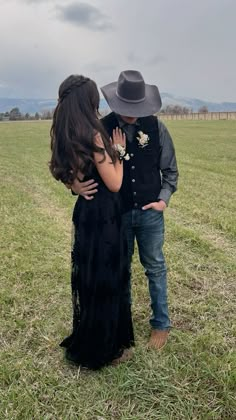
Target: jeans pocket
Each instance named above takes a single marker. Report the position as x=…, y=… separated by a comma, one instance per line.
x=157, y=211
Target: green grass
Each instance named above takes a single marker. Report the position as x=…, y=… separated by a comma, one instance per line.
x=194, y=376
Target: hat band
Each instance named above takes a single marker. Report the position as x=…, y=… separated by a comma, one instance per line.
x=131, y=101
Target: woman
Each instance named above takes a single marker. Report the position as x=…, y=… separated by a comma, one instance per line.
x=102, y=325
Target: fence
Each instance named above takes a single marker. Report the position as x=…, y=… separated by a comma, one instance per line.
x=200, y=116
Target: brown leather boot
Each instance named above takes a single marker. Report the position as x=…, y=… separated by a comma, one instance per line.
x=158, y=339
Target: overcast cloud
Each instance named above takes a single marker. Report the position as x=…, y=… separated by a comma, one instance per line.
x=185, y=47
x=84, y=15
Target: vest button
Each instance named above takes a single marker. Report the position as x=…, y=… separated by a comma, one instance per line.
x=135, y=204
x=132, y=167
x=131, y=154
x=134, y=193
x=133, y=180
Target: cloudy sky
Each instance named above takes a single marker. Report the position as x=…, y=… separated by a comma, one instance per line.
x=186, y=47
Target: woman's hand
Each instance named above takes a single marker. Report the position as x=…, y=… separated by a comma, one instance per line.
x=118, y=137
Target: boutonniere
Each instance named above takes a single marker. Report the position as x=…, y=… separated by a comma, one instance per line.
x=143, y=139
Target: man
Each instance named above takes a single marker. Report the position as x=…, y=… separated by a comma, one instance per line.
x=150, y=178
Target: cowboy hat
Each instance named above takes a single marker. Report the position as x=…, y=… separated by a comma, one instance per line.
x=130, y=96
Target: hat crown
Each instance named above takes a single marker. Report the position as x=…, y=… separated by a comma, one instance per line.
x=131, y=86
x=131, y=96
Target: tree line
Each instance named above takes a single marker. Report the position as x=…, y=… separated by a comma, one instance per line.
x=16, y=115
x=180, y=110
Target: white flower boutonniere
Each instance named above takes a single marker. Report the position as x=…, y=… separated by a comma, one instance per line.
x=122, y=152
x=143, y=139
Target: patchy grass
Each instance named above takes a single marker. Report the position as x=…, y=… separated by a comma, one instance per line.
x=194, y=376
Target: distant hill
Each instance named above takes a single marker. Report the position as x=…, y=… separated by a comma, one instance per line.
x=33, y=105
x=39, y=105
x=195, y=104
x=27, y=105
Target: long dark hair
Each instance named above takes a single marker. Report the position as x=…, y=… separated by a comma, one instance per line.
x=75, y=123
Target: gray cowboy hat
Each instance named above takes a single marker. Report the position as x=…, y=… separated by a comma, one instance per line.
x=131, y=96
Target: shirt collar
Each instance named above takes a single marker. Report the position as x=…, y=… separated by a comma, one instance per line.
x=123, y=124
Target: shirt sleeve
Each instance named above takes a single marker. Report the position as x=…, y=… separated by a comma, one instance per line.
x=168, y=164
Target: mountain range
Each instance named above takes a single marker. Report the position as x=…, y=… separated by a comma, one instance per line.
x=195, y=104
x=32, y=106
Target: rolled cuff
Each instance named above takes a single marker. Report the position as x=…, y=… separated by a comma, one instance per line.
x=165, y=195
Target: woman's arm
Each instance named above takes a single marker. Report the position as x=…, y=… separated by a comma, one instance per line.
x=111, y=174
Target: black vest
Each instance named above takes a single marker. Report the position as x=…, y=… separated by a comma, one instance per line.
x=142, y=179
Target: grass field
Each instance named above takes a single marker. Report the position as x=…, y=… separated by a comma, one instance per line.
x=194, y=377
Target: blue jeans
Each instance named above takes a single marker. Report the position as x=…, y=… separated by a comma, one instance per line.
x=147, y=226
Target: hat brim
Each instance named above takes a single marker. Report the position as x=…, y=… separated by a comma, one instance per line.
x=151, y=104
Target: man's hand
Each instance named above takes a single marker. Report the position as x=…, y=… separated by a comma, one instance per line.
x=156, y=205
x=86, y=189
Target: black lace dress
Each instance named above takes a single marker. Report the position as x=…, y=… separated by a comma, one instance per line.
x=102, y=323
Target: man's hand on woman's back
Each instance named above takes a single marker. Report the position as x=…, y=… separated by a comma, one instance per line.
x=86, y=188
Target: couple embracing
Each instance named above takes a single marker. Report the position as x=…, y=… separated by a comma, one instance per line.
x=124, y=169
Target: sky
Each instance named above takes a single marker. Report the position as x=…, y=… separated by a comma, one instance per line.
x=185, y=47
